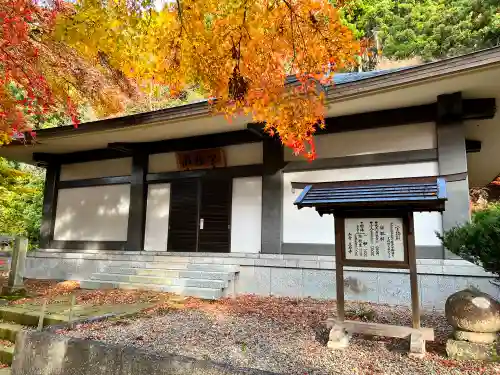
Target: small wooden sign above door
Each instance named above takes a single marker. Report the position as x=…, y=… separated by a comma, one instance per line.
x=201, y=159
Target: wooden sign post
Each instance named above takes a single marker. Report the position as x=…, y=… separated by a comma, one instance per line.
x=374, y=229
x=377, y=240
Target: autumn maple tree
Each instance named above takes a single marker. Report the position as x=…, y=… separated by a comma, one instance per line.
x=41, y=75
x=238, y=52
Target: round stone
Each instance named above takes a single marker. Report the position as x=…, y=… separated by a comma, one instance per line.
x=473, y=311
x=481, y=337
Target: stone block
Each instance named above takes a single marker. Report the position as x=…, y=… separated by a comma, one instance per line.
x=308, y=264
x=434, y=290
x=254, y=280
x=484, y=337
x=464, y=350
x=338, y=338
x=286, y=282
x=318, y=284
x=327, y=265
x=417, y=345
x=394, y=289
x=275, y=262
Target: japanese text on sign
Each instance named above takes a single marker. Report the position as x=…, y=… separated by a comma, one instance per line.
x=374, y=239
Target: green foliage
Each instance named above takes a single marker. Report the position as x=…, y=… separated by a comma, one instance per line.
x=478, y=241
x=430, y=29
x=21, y=199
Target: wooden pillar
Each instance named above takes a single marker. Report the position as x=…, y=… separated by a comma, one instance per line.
x=138, y=197
x=272, y=196
x=415, y=300
x=49, y=204
x=339, y=267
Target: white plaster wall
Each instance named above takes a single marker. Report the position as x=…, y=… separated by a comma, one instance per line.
x=306, y=226
x=373, y=141
x=157, y=215
x=96, y=169
x=246, y=215
x=245, y=154
x=165, y=162
x=97, y=213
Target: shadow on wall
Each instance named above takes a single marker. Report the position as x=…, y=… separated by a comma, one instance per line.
x=97, y=213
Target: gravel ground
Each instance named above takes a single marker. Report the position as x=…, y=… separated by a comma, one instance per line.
x=280, y=335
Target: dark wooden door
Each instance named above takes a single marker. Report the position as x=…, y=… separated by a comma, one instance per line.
x=215, y=215
x=200, y=215
x=183, y=217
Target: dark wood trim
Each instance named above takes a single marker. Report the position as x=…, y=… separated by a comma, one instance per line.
x=81, y=156
x=116, y=180
x=193, y=143
x=472, y=146
x=272, y=196
x=138, y=200
x=339, y=265
x=49, y=204
x=470, y=109
x=87, y=245
x=400, y=157
x=232, y=172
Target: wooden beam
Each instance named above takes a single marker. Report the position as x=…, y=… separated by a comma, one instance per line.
x=193, y=143
x=100, y=181
x=87, y=245
x=466, y=109
x=378, y=329
x=339, y=223
x=49, y=204
x=472, y=146
x=232, y=172
x=138, y=196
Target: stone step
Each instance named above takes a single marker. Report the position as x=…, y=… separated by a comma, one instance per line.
x=168, y=273
x=6, y=354
x=5, y=371
x=159, y=280
x=175, y=266
x=8, y=331
x=205, y=293
x=25, y=317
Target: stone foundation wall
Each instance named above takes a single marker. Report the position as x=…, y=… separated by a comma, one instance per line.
x=284, y=275
x=46, y=353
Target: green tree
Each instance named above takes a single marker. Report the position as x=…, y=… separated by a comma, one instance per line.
x=21, y=199
x=478, y=240
x=430, y=29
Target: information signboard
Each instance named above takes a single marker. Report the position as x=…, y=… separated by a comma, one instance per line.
x=374, y=239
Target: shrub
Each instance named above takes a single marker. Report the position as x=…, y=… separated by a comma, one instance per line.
x=479, y=240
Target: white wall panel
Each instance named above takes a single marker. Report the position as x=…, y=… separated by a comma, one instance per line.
x=97, y=213
x=306, y=226
x=157, y=216
x=373, y=141
x=246, y=215
x=165, y=162
x=244, y=154
x=96, y=169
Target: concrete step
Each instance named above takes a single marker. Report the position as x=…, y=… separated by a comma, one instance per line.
x=25, y=317
x=176, y=266
x=8, y=331
x=168, y=273
x=165, y=281
x=6, y=354
x=5, y=371
x=205, y=293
